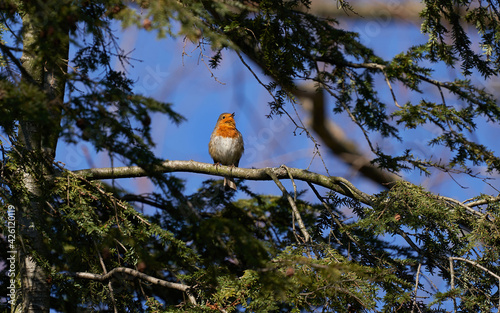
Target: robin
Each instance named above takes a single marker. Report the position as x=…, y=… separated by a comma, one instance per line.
x=226, y=145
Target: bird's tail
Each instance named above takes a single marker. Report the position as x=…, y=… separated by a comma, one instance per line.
x=229, y=182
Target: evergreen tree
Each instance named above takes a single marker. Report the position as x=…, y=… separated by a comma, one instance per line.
x=82, y=245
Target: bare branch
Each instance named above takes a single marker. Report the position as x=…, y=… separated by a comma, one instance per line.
x=293, y=183
x=139, y=275
x=390, y=88
x=452, y=284
x=466, y=207
x=110, y=286
x=415, y=305
x=295, y=210
x=483, y=201
x=335, y=183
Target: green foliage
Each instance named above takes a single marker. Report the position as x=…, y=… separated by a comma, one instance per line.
x=484, y=17
x=2, y=30
x=245, y=254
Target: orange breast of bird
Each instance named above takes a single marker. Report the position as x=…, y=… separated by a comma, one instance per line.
x=226, y=130
x=226, y=143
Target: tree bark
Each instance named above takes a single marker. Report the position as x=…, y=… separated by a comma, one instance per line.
x=37, y=143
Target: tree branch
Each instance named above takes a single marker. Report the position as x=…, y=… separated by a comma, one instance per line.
x=415, y=304
x=139, y=275
x=337, y=184
x=483, y=201
x=295, y=210
x=381, y=11
x=476, y=265
x=27, y=76
x=468, y=208
x=382, y=68
x=336, y=140
x=110, y=286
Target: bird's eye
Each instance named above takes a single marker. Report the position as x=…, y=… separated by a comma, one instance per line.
x=224, y=117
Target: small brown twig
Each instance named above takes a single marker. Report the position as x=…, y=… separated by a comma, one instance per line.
x=293, y=204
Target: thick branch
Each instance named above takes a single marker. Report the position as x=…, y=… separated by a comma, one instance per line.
x=136, y=274
x=337, y=184
x=336, y=140
x=380, y=11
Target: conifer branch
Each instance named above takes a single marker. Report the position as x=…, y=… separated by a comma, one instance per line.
x=27, y=76
x=362, y=248
x=382, y=68
x=476, y=265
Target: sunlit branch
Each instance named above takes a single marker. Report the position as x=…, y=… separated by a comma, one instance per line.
x=416, y=288
x=337, y=184
x=139, y=275
x=476, y=265
x=483, y=201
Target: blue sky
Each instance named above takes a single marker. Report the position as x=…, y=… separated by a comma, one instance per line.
x=173, y=71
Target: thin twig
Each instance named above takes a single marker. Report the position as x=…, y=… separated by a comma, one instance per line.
x=390, y=88
x=295, y=210
x=110, y=286
x=452, y=283
x=476, y=265
x=416, y=288
x=355, y=121
x=292, y=101
x=293, y=182
x=309, y=135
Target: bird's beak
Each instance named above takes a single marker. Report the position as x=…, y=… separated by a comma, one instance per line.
x=233, y=114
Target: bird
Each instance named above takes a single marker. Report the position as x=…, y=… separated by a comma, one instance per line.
x=226, y=145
